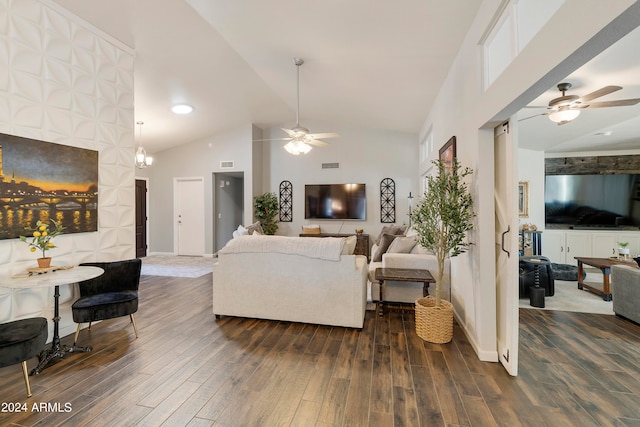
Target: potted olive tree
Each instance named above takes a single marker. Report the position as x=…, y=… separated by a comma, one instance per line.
x=442, y=218
x=266, y=210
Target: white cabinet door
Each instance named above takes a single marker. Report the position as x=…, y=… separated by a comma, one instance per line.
x=604, y=245
x=553, y=245
x=634, y=244
x=577, y=243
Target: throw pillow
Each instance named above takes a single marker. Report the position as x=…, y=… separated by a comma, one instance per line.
x=390, y=229
x=402, y=245
x=385, y=242
x=349, y=245
x=255, y=227
x=240, y=231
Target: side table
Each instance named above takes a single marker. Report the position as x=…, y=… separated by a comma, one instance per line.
x=402, y=275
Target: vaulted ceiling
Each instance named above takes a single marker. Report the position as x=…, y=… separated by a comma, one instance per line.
x=371, y=64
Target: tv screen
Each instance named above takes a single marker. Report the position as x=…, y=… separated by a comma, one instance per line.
x=607, y=200
x=335, y=201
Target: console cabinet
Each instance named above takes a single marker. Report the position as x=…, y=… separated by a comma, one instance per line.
x=561, y=246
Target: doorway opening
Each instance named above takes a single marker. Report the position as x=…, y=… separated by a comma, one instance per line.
x=228, y=206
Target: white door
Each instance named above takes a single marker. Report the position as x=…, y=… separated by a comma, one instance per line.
x=506, y=227
x=189, y=216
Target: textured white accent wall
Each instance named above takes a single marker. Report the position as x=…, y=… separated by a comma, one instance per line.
x=62, y=82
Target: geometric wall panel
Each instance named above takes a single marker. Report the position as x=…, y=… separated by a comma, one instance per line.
x=62, y=82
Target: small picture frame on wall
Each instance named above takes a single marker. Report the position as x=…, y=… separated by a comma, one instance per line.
x=523, y=199
x=448, y=152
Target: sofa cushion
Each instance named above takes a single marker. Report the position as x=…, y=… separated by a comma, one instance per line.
x=402, y=245
x=349, y=245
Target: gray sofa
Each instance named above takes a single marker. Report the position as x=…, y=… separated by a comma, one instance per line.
x=625, y=282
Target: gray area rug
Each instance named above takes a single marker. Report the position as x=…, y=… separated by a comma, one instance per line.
x=569, y=298
x=176, y=266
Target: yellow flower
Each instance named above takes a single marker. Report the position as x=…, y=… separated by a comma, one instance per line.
x=32, y=249
x=50, y=244
x=43, y=227
x=36, y=234
x=44, y=233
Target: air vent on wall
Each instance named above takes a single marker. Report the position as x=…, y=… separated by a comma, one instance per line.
x=330, y=165
x=226, y=164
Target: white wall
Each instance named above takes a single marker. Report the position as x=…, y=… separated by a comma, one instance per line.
x=463, y=108
x=531, y=169
x=196, y=159
x=79, y=93
x=365, y=156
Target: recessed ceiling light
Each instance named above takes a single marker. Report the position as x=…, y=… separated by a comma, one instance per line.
x=182, y=109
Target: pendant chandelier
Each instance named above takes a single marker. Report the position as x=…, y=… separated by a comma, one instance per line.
x=142, y=160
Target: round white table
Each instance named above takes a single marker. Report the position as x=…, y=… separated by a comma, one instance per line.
x=45, y=280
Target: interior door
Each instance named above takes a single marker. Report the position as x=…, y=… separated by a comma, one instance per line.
x=189, y=211
x=506, y=248
x=141, y=218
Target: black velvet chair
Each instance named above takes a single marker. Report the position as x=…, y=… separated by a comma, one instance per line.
x=21, y=340
x=110, y=295
x=529, y=276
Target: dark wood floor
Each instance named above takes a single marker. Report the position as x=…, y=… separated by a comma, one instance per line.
x=187, y=368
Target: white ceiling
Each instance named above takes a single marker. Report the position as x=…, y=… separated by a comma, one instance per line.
x=367, y=63
x=371, y=64
x=619, y=65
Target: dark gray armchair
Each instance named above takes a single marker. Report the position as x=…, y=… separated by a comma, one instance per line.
x=113, y=294
x=21, y=340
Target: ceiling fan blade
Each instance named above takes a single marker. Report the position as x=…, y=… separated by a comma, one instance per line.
x=618, y=103
x=290, y=132
x=324, y=135
x=273, y=139
x=317, y=143
x=598, y=93
x=535, y=115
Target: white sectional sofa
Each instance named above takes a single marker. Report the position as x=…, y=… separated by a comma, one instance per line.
x=407, y=292
x=296, y=279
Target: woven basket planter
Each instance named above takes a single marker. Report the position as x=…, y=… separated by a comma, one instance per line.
x=434, y=324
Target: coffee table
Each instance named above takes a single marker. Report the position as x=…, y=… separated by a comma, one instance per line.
x=604, y=264
x=402, y=275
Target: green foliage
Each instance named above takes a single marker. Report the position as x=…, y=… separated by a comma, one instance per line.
x=266, y=209
x=444, y=215
x=42, y=236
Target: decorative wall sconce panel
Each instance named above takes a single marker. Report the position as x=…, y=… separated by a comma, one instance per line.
x=286, y=201
x=387, y=201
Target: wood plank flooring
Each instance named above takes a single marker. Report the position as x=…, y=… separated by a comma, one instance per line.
x=189, y=369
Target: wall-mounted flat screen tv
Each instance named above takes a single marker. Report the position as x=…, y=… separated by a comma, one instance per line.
x=607, y=200
x=335, y=201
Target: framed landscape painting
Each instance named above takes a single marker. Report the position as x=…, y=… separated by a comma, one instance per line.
x=448, y=152
x=42, y=181
x=523, y=199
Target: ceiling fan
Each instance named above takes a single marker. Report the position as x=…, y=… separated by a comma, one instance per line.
x=300, y=140
x=566, y=108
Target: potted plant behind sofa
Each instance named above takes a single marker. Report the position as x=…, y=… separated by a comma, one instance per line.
x=442, y=218
x=266, y=210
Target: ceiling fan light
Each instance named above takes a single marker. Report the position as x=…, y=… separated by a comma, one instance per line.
x=297, y=147
x=564, y=115
x=182, y=109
